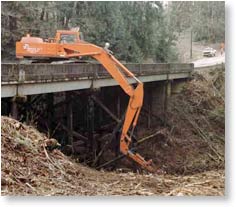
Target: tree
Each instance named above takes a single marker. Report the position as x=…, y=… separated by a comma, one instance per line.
x=137, y=31
x=206, y=19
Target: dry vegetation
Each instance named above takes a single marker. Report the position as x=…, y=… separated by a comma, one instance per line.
x=29, y=169
x=194, y=141
x=192, y=155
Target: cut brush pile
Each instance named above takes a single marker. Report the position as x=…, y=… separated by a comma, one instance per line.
x=29, y=167
x=195, y=140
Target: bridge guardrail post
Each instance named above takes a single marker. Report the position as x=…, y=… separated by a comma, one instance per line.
x=21, y=78
x=168, y=71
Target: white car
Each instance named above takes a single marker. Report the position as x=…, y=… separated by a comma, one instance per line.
x=209, y=52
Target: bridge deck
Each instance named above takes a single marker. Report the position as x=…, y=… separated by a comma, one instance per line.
x=26, y=79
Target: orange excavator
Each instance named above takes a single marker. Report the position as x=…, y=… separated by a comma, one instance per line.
x=67, y=45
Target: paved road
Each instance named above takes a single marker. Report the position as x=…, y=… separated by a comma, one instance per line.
x=208, y=61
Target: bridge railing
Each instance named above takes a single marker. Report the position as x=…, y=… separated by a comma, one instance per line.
x=58, y=72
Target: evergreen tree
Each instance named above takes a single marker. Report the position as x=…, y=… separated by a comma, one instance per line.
x=137, y=31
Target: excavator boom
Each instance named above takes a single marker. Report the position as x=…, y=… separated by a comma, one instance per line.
x=118, y=71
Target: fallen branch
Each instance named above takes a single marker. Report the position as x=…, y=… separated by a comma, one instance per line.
x=110, y=162
x=132, y=149
x=102, y=151
x=162, y=131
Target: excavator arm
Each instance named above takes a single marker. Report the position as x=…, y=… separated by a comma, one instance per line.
x=35, y=47
x=118, y=72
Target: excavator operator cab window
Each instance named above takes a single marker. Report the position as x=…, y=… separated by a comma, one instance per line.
x=68, y=38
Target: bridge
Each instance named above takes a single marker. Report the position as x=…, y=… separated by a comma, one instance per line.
x=83, y=116
x=32, y=79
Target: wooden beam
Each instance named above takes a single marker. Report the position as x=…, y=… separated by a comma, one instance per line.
x=69, y=117
x=14, y=109
x=50, y=111
x=145, y=111
x=167, y=94
x=74, y=133
x=105, y=108
x=90, y=126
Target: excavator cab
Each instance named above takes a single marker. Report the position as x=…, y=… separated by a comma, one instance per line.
x=67, y=37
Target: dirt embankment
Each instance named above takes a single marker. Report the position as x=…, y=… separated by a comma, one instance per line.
x=195, y=140
x=192, y=154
